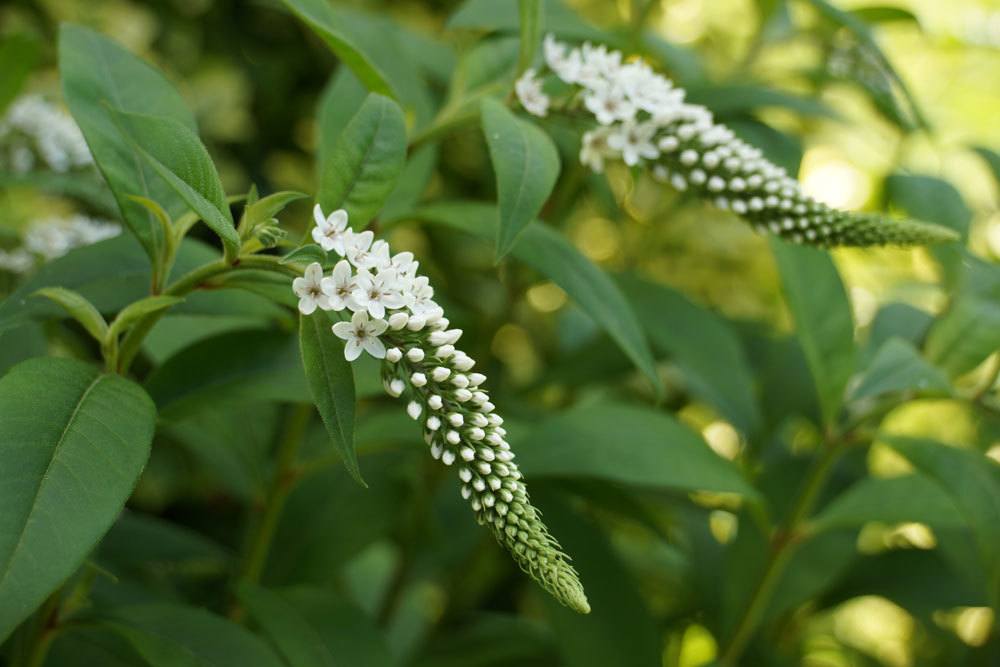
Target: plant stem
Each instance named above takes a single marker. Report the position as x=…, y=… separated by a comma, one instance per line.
x=283, y=480
x=188, y=283
x=782, y=542
x=34, y=645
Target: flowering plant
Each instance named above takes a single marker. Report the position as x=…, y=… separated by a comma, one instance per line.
x=216, y=370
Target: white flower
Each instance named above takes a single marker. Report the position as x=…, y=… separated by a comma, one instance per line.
x=565, y=64
x=340, y=285
x=404, y=265
x=530, y=95
x=358, y=248
x=361, y=334
x=635, y=141
x=330, y=231
x=594, y=148
x=599, y=66
x=310, y=290
x=608, y=102
x=419, y=296
x=377, y=292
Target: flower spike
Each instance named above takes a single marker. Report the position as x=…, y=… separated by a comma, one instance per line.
x=642, y=119
x=394, y=318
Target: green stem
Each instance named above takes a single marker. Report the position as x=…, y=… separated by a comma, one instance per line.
x=530, y=17
x=283, y=480
x=33, y=645
x=189, y=282
x=782, y=543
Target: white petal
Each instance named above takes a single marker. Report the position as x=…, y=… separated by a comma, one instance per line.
x=307, y=305
x=343, y=330
x=300, y=286
x=376, y=309
x=338, y=219
x=314, y=273
x=352, y=349
x=375, y=347
x=376, y=327
x=359, y=319
x=318, y=216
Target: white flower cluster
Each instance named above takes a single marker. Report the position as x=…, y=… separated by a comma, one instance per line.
x=395, y=318
x=33, y=127
x=49, y=238
x=643, y=119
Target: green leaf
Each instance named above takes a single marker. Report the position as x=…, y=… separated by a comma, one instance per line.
x=79, y=309
x=413, y=181
x=885, y=14
x=331, y=384
x=973, y=482
x=549, y=253
x=320, y=16
x=863, y=34
x=823, y=320
x=20, y=343
x=968, y=331
x=898, y=367
x=296, y=640
x=231, y=367
x=98, y=76
x=890, y=500
x=141, y=308
x=342, y=96
x=19, y=53
x=620, y=630
x=179, y=158
x=734, y=99
x=349, y=634
x=702, y=345
x=306, y=255
x=363, y=166
x=526, y=164
x=172, y=635
x=630, y=444
x=491, y=15
x=77, y=441
x=935, y=200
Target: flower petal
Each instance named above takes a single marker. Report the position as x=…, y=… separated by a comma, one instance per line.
x=343, y=330
x=352, y=349
x=307, y=305
x=374, y=347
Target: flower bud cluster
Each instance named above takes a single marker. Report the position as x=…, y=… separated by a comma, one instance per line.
x=34, y=128
x=395, y=318
x=642, y=119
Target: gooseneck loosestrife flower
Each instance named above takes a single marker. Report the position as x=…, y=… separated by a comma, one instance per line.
x=643, y=120
x=394, y=318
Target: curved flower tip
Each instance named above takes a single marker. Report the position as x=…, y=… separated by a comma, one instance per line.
x=395, y=318
x=641, y=119
x=872, y=229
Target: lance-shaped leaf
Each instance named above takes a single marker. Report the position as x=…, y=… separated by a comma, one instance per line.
x=823, y=320
x=320, y=16
x=361, y=168
x=72, y=444
x=99, y=76
x=331, y=383
x=526, y=164
x=178, y=157
x=79, y=309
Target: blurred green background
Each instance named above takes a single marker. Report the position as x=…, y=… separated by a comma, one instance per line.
x=781, y=72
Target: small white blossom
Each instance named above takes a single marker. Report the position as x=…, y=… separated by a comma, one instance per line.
x=330, y=231
x=340, y=286
x=311, y=291
x=530, y=94
x=635, y=141
x=375, y=293
x=609, y=104
x=361, y=334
